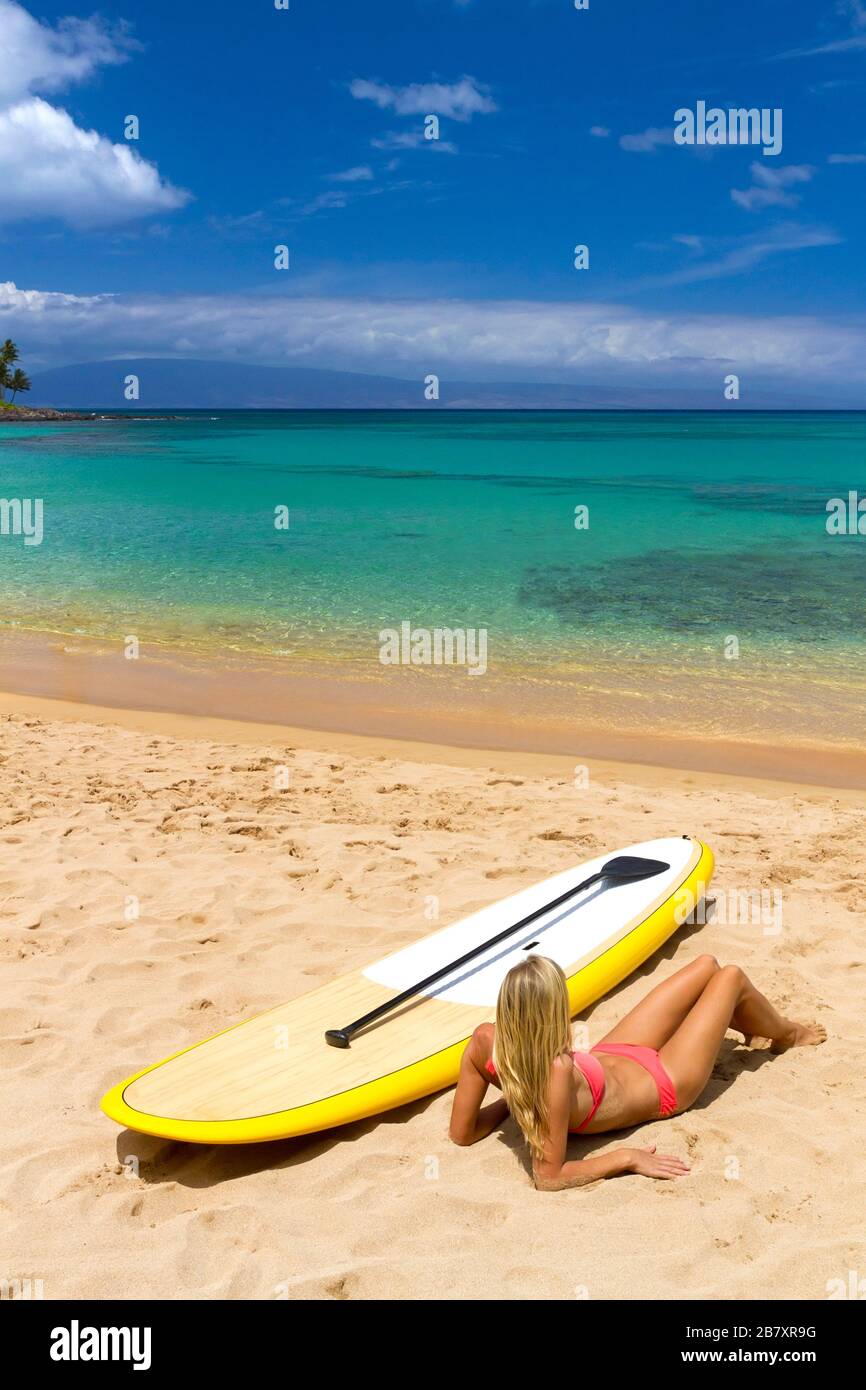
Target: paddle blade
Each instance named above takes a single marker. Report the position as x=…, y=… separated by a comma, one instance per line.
x=629, y=868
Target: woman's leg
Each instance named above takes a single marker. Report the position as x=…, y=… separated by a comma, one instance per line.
x=657, y=1017
x=730, y=1000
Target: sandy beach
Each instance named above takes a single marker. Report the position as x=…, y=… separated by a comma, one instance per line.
x=248, y=895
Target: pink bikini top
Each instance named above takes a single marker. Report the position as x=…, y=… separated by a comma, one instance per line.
x=593, y=1074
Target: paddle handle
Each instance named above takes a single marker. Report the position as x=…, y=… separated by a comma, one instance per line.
x=342, y=1037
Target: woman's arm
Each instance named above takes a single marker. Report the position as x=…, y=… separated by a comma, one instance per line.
x=469, y=1122
x=582, y=1171
x=611, y=1165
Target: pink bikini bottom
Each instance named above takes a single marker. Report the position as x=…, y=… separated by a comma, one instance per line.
x=649, y=1059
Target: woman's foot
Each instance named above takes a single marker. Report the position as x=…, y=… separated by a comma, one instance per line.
x=802, y=1035
x=797, y=1035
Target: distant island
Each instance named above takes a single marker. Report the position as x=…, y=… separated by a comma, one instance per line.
x=90, y=391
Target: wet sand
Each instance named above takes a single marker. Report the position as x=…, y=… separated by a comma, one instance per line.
x=448, y=709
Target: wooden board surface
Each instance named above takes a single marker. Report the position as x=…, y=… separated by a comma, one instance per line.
x=280, y=1060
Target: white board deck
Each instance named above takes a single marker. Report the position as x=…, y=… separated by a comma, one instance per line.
x=572, y=934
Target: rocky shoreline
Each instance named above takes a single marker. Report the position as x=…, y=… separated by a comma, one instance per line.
x=30, y=415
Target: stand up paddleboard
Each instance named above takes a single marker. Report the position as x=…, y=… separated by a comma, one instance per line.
x=275, y=1076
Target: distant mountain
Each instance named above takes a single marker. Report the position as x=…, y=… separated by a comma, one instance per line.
x=172, y=383
x=187, y=383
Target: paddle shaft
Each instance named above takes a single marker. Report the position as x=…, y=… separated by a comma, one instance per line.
x=341, y=1037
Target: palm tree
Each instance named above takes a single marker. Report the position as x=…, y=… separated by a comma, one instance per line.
x=18, y=381
x=8, y=354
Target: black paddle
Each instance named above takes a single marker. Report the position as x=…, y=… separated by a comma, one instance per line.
x=627, y=868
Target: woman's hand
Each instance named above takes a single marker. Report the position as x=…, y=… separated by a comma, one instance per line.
x=652, y=1165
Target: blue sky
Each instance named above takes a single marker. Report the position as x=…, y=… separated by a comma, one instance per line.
x=260, y=126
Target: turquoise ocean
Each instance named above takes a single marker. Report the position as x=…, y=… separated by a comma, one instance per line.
x=702, y=527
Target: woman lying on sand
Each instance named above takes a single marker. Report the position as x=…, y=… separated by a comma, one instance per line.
x=653, y=1064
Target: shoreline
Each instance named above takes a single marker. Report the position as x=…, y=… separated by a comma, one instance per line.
x=47, y=415
x=649, y=774
x=327, y=701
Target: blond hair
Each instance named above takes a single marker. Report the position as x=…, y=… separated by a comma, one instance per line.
x=533, y=1028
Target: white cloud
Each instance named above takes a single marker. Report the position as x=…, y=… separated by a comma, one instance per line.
x=840, y=46
x=37, y=301
x=770, y=185
x=744, y=255
x=49, y=166
x=458, y=100
x=36, y=58
x=856, y=13
x=400, y=140
x=241, y=224
x=846, y=159
x=694, y=243
x=411, y=140
x=601, y=132
x=324, y=202
x=646, y=141
x=780, y=175
x=361, y=173
x=410, y=337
